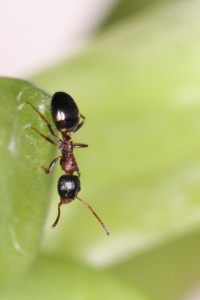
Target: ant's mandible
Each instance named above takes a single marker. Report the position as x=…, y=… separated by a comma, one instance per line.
x=66, y=118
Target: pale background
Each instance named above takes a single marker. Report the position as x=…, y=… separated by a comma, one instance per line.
x=29, y=45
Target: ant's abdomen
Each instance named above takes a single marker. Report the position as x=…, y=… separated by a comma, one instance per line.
x=65, y=112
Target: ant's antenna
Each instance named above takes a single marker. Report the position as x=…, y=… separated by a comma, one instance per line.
x=90, y=208
x=58, y=217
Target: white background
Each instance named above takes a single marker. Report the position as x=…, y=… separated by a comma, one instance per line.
x=37, y=33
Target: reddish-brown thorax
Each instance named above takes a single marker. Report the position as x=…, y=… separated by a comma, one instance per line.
x=68, y=161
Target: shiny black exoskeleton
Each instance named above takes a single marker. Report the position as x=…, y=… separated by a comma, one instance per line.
x=66, y=118
x=65, y=113
x=68, y=187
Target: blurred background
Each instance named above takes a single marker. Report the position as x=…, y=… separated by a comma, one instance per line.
x=133, y=68
x=38, y=34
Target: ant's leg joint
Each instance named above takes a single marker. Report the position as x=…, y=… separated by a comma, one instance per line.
x=52, y=164
x=79, y=125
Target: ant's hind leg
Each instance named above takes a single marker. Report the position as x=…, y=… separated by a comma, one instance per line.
x=79, y=125
x=44, y=119
x=52, y=164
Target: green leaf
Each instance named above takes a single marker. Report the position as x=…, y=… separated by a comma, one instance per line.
x=24, y=187
x=126, y=9
x=54, y=277
x=138, y=85
x=165, y=271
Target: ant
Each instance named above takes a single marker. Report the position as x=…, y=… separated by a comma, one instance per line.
x=66, y=118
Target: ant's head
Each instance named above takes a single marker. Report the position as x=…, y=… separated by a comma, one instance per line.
x=68, y=187
x=65, y=112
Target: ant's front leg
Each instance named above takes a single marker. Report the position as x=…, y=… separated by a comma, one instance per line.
x=78, y=172
x=52, y=164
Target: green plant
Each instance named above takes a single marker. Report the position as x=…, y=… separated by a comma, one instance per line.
x=138, y=85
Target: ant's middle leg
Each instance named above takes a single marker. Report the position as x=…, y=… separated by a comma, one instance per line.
x=79, y=145
x=43, y=136
x=44, y=119
x=52, y=164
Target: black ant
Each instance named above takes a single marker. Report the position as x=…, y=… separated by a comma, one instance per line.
x=66, y=118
